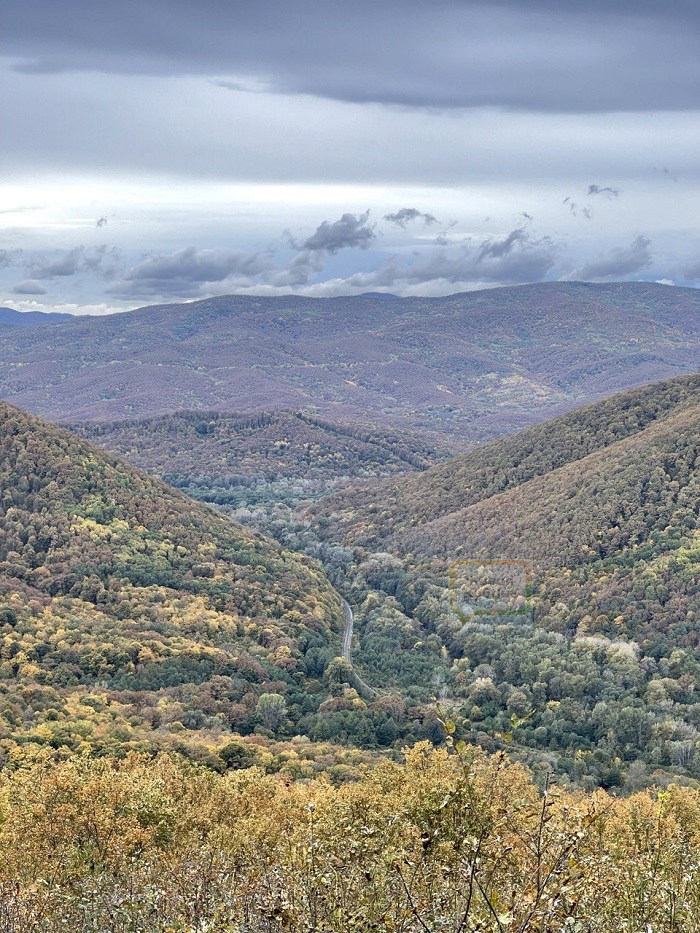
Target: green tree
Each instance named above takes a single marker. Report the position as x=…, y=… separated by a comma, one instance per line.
x=271, y=710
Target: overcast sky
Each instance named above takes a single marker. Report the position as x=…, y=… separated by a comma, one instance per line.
x=160, y=150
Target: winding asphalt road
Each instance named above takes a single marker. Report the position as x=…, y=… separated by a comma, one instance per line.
x=347, y=638
x=347, y=645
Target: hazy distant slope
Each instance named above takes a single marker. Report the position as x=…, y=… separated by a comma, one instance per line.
x=472, y=366
x=9, y=318
x=116, y=588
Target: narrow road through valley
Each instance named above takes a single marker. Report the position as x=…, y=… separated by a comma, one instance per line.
x=347, y=645
x=347, y=638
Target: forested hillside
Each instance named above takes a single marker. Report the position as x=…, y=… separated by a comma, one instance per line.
x=604, y=505
x=131, y=616
x=470, y=367
x=242, y=460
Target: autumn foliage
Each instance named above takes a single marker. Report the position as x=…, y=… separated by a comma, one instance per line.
x=458, y=842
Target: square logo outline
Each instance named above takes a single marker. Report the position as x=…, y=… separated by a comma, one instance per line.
x=463, y=617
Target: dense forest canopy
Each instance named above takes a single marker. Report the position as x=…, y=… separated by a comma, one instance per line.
x=239, y=460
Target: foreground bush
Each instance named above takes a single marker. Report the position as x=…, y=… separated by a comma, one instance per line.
x=458, y=842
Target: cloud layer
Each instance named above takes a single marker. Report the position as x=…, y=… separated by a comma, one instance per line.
x=437, y=265
x=102, y=261
x=160, y=148
x=619, y=263
x=184, y=272
x=449, y=53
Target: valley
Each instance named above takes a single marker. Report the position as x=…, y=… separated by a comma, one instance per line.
x=219, y=630
x=601, y=502
x=349, y=467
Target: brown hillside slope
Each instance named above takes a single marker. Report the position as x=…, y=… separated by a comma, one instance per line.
x=573, y=448
x=604, y=503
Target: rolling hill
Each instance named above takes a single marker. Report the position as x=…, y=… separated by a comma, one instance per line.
x=11, y=319
x=132, y=617
x=270, y=457
x=470, y=367
x=604, y=505
x=580, y=452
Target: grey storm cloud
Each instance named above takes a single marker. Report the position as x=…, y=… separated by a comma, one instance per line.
x=101, y=260
x=517, y=257
x=299, y=272
x=184, y=272
x=620, y=262
x=408, y=214
x=691, y=271
x=495, y=249
x=352, y=230
x=606, y=191
x=29, y=287
x=191, y=272
x=549, y=55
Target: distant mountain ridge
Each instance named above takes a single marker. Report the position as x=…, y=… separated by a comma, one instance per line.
x=470, y=367
x=11, y=318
